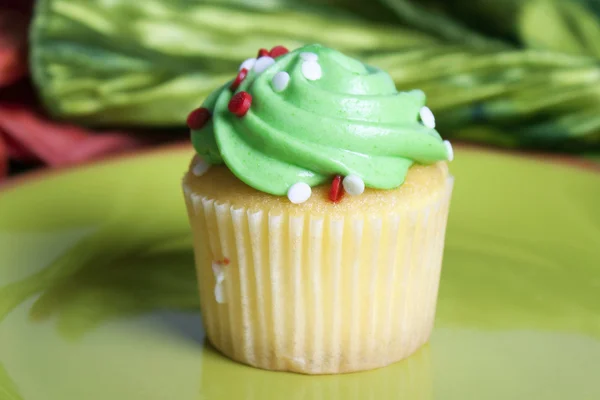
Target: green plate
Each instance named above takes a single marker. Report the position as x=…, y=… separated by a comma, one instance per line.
x=98, y=295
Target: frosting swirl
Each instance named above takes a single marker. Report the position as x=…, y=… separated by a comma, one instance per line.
x=324, y=114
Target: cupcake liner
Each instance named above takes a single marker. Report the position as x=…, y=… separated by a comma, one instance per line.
x=317, y=293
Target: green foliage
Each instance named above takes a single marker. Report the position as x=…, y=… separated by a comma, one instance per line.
x=527, y=70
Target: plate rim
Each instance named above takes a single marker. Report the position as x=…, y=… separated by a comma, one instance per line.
x=13, y=183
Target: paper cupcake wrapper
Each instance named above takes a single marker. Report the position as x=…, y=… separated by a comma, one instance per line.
x=317, y=294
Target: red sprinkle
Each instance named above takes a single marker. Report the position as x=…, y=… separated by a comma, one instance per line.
x=226, y=261
x=198, y=118
x=238, y=79
x=263, y=53
x=336, y=192
x=240, y=103
x=278, y=51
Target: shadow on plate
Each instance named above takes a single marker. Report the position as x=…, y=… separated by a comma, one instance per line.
x=408, y=379
x=115, y=281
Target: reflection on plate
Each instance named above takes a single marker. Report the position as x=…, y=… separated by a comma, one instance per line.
x=98, y=294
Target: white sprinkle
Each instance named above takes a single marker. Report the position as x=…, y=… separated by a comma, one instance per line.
x=219, y=272
x=263, y=63
x=248, y=64
x=200, y=167
x=427, y=117
x=311, y=70
x=280, y=81
x=299, y=192
x=220, y=293
x=307, y=56
x=353, y=185
x=449, y=150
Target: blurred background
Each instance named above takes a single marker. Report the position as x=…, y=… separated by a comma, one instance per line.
x=83, y=79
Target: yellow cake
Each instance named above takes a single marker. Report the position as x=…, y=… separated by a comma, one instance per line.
x=319, y=287
x=318, y=202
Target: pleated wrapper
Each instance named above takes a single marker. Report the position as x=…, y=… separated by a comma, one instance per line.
x=317, y=294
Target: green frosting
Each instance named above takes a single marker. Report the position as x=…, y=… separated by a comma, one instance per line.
x=351, y=120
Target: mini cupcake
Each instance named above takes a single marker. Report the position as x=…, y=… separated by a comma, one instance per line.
x=318, y=202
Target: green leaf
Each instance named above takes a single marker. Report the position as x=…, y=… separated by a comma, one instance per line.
x=149, y=63
x=560, y=26
x=437, y=23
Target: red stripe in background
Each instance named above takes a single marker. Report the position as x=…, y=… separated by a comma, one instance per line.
x=14, y=20
x=3, y=159
x=16, y=151
x=56, y=143
x=14, y=24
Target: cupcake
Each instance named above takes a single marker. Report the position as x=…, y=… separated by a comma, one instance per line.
x=318, y=201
